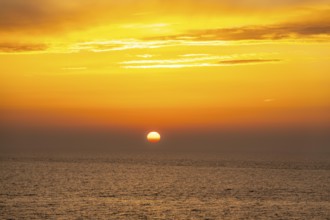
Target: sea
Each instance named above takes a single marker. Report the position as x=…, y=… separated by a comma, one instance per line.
x=157, y=185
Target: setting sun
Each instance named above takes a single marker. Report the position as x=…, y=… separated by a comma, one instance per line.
x=153, y=137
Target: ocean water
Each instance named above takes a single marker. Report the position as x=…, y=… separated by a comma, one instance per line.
x=148, y=186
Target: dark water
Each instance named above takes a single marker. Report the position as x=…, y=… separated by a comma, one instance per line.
x=163, y=187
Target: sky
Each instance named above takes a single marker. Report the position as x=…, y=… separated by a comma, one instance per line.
x=209, y=72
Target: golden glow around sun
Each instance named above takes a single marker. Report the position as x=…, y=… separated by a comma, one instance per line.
x=153, y=137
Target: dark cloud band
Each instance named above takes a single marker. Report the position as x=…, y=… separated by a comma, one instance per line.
x=294, y=30
x=16, y=47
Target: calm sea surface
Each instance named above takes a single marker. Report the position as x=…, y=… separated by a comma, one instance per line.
x=148, y=186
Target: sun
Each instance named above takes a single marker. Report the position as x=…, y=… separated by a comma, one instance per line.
x=153, y=137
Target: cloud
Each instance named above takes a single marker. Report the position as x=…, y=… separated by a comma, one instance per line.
x=233, y=62
x=16, y=14
x=55, y=15
x=106, y=46
x=60, y=15
x=169, y=66
x=48, y=20
x=115, y=45
x=21, y=47
x=203, y=61
x=319, y=26
x=174, y=61
x=133, y=44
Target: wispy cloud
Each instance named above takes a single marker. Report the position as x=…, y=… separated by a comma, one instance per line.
x=21, y=47
x=61, y=15
x=129, y=44
x=291, y=30
x=105, y=46
x=170, y=66
x=248, y=61
x=174, y=61
x=202, y=61
x=113, y=45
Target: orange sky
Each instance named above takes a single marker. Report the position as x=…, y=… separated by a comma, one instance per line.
x=165, y=64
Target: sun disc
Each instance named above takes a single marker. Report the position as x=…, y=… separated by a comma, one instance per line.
x=153, y=137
